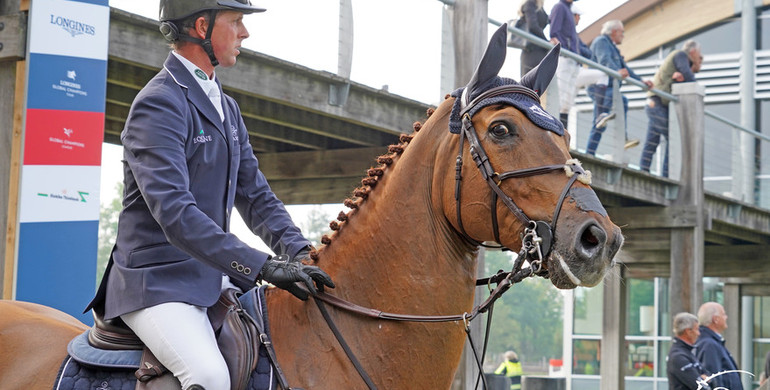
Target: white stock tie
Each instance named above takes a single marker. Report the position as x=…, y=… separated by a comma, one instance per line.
x=216, y=98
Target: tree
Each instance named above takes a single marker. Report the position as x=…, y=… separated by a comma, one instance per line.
x=528, y=317
x=108, y=230
x=316, y=224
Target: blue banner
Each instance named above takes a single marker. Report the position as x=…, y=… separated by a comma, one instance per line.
x=59, y=267
x=66, y=83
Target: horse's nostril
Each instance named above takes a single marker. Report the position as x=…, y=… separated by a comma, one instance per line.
x=591, y=240
x=588, y=238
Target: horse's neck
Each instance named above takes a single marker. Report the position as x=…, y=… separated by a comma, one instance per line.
x=400, y=240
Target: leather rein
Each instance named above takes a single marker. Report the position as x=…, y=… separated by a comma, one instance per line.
x=536, y=243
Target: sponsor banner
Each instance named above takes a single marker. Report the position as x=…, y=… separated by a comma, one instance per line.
x=97, y=2
x=60, y=265
x=66, y=83
x=54, y=137
x=59, y=193
x=70, y=28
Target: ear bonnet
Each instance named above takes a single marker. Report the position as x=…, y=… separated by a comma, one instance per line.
x=485, y=77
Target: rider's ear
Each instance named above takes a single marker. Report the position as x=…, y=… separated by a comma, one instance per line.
x=201, y=25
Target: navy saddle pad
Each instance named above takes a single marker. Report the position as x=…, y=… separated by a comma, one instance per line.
x=89, y=368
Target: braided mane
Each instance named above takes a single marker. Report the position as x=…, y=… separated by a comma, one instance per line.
x=368, y=183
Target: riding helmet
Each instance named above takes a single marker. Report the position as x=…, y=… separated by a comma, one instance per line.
x=180, y=9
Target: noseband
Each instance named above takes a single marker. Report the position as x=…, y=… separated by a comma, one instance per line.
x=538, y=236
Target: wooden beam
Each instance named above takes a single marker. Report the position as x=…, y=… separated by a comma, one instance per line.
x=13, y=36
x=635, y=186
x=343, y=163
x=312, y=191
x=646, y=239
x=315, y=123
x=9, y=269
x=653, y=217
x=741, y=233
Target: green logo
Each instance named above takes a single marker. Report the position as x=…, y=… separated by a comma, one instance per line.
x=201, y=132
x=201, y=75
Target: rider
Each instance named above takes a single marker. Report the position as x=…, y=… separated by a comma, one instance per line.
x=187, y=162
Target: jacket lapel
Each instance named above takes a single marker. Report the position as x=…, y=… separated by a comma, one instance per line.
x=195, y=93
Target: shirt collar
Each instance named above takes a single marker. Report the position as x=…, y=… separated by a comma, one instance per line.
x=199, y=75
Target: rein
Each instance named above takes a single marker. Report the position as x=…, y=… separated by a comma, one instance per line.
x=504, y=280
x=536, y=242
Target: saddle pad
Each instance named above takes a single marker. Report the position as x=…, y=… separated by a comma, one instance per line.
x=89, y=368
x=80, y=350
x=75, y=376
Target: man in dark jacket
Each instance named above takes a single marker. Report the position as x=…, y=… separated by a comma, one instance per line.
x=682, y=368
x=710, y=347
x=187, y=163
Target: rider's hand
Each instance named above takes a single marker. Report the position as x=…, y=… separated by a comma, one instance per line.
x=303, y=254
x=284, y=274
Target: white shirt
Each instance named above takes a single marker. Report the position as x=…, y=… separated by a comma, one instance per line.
x=209, y=86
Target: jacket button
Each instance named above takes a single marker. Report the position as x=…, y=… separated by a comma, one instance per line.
x=234, y=264
x=247, y=271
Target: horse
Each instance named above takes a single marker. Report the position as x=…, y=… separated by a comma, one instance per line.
x=488, y=165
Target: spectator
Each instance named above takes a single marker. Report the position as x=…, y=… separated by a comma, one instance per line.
x=536, y=19
x=710, y=347
x=563, y=31
x=679, y=66
x=586, y=76
x=511, y=368
x=682, y=368
x=605, y=52
x=583, y=49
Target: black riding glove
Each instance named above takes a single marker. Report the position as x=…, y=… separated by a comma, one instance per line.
x=284, y=274
x=303, y=254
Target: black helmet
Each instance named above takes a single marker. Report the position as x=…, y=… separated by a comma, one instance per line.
x=174, y=11
x=180, y=9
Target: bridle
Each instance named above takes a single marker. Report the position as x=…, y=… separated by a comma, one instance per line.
x=536, y=243
x=539, y=233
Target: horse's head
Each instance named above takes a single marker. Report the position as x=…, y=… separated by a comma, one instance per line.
x=517, y=181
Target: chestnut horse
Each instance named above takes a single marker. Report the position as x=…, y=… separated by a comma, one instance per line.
x=409, y=243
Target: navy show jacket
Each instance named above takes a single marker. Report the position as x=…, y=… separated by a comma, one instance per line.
x=184, y=170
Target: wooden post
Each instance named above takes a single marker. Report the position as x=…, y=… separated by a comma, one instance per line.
x=734, y=310
x=469, y=22
x=470, y=37
x=619, y=154
x=613, y=349
x=12, y=75
x=687, y=251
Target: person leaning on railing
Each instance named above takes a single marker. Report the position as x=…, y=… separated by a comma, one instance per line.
x=605, y=52
x=679, y=66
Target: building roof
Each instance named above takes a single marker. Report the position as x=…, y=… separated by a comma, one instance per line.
x=652, y=23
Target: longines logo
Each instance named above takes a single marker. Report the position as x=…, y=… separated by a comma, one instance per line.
x=73, y=26
x=70, y=86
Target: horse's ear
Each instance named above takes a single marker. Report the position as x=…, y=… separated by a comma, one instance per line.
x=540, y=77
x=490, y=65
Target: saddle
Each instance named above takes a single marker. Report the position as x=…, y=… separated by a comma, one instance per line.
x=239, y=322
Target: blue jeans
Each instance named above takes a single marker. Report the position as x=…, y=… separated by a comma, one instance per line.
x=657, y=126
x=602, y=97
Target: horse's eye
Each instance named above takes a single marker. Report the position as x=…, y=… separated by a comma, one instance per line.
x=499, y=130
